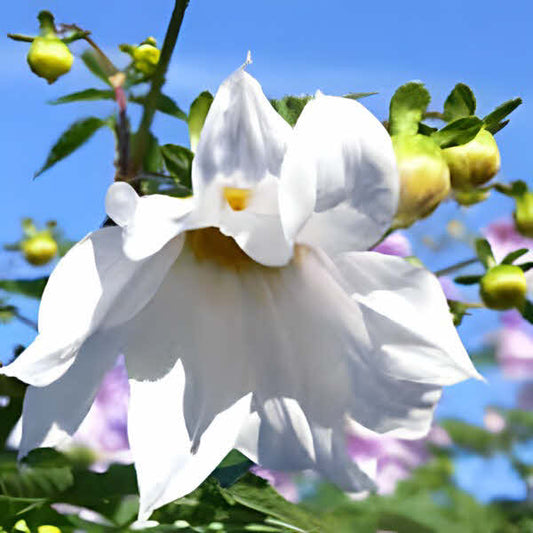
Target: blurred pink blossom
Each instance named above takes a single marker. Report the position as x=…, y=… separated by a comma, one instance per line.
x=494, y=421
x=283, y=482
x=395, y=244
x=514, y=346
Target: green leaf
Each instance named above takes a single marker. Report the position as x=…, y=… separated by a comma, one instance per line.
x=165, y=104
x=467, y=280
x=85, y=96
x=526, y=266
x=197, y=114
x=94, y=63
x=70, y=140
x=461, y=102
x=358, y=96
x=484, y=253
x=527, y=311
x=424, y=129
x=407, y=107
x=233, y=467
x=472, y=438
x=178, y=161
x=32, y=288
x=493, y=121
x=458, y=132
x=153, y=159
x=511, y=257
x=291, y=107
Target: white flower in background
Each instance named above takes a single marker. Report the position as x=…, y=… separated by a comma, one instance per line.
x=249, y=315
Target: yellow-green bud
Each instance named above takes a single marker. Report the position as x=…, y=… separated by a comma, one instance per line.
x=146, y=57
x=474, y=163
x=22, y=527
x=471, y=197
x=503, y=287
x=523, y=215
x=39, y=249
x=49, y=57
x=48, y=529
x=424, y=177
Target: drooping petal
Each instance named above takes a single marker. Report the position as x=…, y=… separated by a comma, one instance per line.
x=94, y=286
x=243, y=139
x=54, y=412
x=339, y=183
x=148, y=222
x=408, y=319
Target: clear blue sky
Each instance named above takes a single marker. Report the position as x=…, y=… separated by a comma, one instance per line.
x=298, y=47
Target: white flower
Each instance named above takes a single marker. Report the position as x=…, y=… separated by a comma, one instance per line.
x=235, y=336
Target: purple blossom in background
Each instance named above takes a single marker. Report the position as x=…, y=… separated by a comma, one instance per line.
x=389, y=460
x=395, y=244
x=514, y=346
x=283, y=482
x=104, y=430
x=525, y=397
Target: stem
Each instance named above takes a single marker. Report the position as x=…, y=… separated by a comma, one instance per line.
x=20, y=37
x=107, y=64
x=28, y=322
x=158, y=79
x=457, y=266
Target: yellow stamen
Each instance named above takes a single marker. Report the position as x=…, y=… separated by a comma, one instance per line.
x=237, y=198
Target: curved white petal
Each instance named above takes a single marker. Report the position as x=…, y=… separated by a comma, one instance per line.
x=243, y=139
x=408, y=319
x=339, y=182
x=169, y=464
x=148, y=222
x=93, y=287
x=53, y=413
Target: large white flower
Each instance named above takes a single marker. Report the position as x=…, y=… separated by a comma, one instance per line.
x=250, y=315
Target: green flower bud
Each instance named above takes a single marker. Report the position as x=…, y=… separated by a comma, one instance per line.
x=39, y=249
x=474, y=163
x=523, y=215
x=49, y=57
x=146, y=56
x=424, y=177
x=471, y=197
x=503, y=287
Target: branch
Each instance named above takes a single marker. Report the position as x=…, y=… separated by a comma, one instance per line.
x=457, y=266
x=158, y=79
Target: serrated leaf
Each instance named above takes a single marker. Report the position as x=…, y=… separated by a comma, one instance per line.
x=291, y=107
x=458, y=132
x=407, y=107
x=467, y=280
x=484, y=253
x=85, y=96
x=461, y=102
x=32, y=288
x=511, y=257
x=178, y=161
x=493, y=121
x=359, y=96
x=527, y=311
x=94, y=63
x=70, y=140
x=165, y=104
x=197, y=115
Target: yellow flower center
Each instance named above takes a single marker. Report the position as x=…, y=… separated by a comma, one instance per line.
x=209, y=244
x=237, y=198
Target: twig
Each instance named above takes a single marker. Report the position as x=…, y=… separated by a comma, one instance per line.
x=457, y=266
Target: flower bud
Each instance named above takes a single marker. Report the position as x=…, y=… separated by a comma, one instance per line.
x=503, y=287
x=39, y=249
x=146, y=56
x=470, y=197
x=474, y=163
x=49, y=57
x=424, y=177
x=523, y=214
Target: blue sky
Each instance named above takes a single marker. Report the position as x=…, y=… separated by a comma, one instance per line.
x=298, y=47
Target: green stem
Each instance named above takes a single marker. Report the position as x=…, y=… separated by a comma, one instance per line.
x=158, y=79
x=458, y=266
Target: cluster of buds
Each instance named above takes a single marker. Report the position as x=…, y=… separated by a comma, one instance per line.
x=145, y=56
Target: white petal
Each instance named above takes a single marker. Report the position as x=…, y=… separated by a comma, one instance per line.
x=94, y=286
x=53, y=413
x=148, y=222
x=339, y=183
x=408, y=318
x=243, y=139
x=168, y=463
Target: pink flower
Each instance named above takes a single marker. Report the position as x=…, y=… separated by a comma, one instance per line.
x=283, y=482
x=514, y=346
x=395, y=244
x=494, y=421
